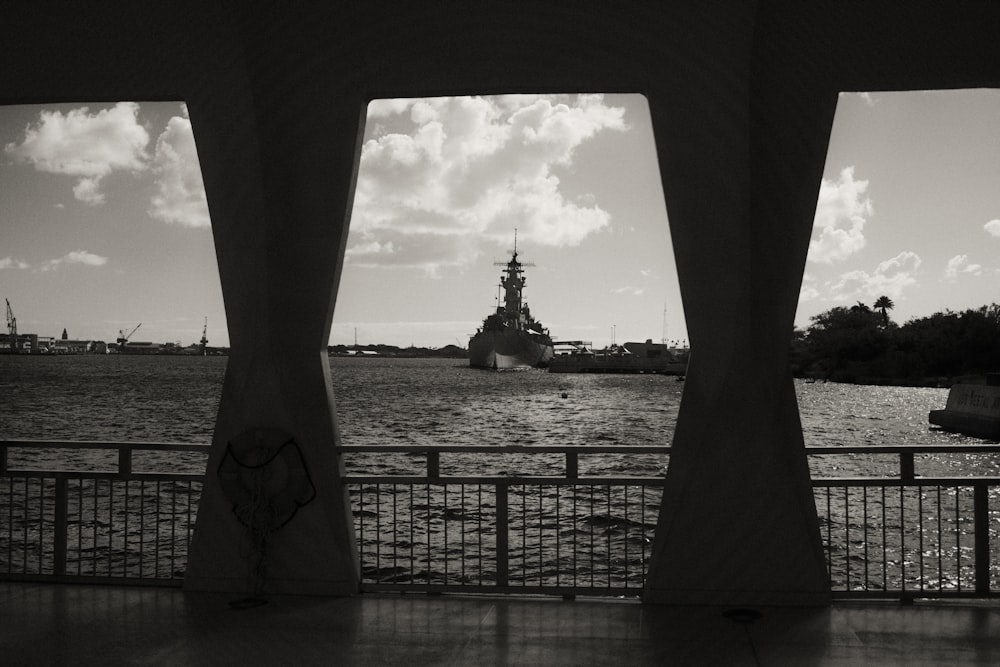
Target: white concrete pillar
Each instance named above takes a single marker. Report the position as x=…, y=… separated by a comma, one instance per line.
x=278, y=160
x=738, y=524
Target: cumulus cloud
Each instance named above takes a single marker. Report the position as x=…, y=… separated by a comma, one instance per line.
x=180, y=197
x=808, y=290
x=75, y=257
x=86, y=145
x=384, y=108
x=627, y=289
x=13, y=263
x=960, y=264
x=890, y=278
x=993, y=228
x=372, y=249
x=91, y=145
x=842, y=212
x=87, y=190
x=808, y=293
x=464, y=168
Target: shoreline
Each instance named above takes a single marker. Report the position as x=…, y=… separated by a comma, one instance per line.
x=940, y=382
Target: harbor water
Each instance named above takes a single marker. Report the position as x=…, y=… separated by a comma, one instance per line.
x=421, y=402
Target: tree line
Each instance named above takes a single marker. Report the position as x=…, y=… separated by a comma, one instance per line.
x=861, y=344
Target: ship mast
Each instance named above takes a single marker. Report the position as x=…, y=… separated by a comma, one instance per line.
x=664, y=339
x=512, y=281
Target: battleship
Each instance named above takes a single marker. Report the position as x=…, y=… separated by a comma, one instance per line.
x=511, y=338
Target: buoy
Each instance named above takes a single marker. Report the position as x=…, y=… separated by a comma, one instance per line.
x=565, y=395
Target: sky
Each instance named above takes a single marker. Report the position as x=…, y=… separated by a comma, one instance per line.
x=443, y=185
x=103, y=221
x=909, y=206
x=104, y=225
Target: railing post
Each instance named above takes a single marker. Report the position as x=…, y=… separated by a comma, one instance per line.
x=503, y=578
x=433, y=464
x=3, y=459
x=125, y=461
x=906, y=468
x=59, y=536
x=981, y=514
x=572, y=465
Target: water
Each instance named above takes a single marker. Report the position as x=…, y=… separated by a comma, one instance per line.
x=421, y=402
x=430, y=402
x=110, y=398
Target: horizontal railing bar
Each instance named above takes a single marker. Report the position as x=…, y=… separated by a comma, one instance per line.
x=146, y=581
x=666, y=449
x=511, y=449
x=821, y=482
x=902, y=449
x=198, y=447
x=103, y=444
x=811, y=450
x=838, y=482
x=486, y=480
x=105, y=474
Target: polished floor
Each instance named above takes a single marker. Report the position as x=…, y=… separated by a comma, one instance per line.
x=44, y=624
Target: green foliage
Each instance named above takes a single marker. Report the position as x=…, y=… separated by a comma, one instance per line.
x=858, y=344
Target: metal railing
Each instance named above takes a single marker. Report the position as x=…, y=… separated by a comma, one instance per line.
x=565, y=533
x=99, y=517
x=911, y=533
x=899, y=530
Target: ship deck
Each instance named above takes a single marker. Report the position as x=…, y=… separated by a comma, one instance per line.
x=83, y=625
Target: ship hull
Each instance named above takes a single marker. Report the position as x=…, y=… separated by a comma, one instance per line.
x=509, y=349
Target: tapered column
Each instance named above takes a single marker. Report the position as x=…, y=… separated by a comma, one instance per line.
x=278, y=161
x=737, y=524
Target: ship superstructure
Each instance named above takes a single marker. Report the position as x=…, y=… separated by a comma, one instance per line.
x=511, y=337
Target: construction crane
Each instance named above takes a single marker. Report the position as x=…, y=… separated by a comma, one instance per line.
x=11, y=327
x=123, y=337
x=204, y=339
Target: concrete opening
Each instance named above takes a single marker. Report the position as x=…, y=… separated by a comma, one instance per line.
x=443, y=186
x=109, y=266
x=898, y=304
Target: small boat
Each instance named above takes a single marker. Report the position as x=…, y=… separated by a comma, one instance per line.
x=972, y=409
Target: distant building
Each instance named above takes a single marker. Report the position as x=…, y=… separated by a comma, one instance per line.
x=26, y=343
x=67, y=346
x=34, y=344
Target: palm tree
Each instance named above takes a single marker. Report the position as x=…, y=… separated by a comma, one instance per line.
x=884, y=304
